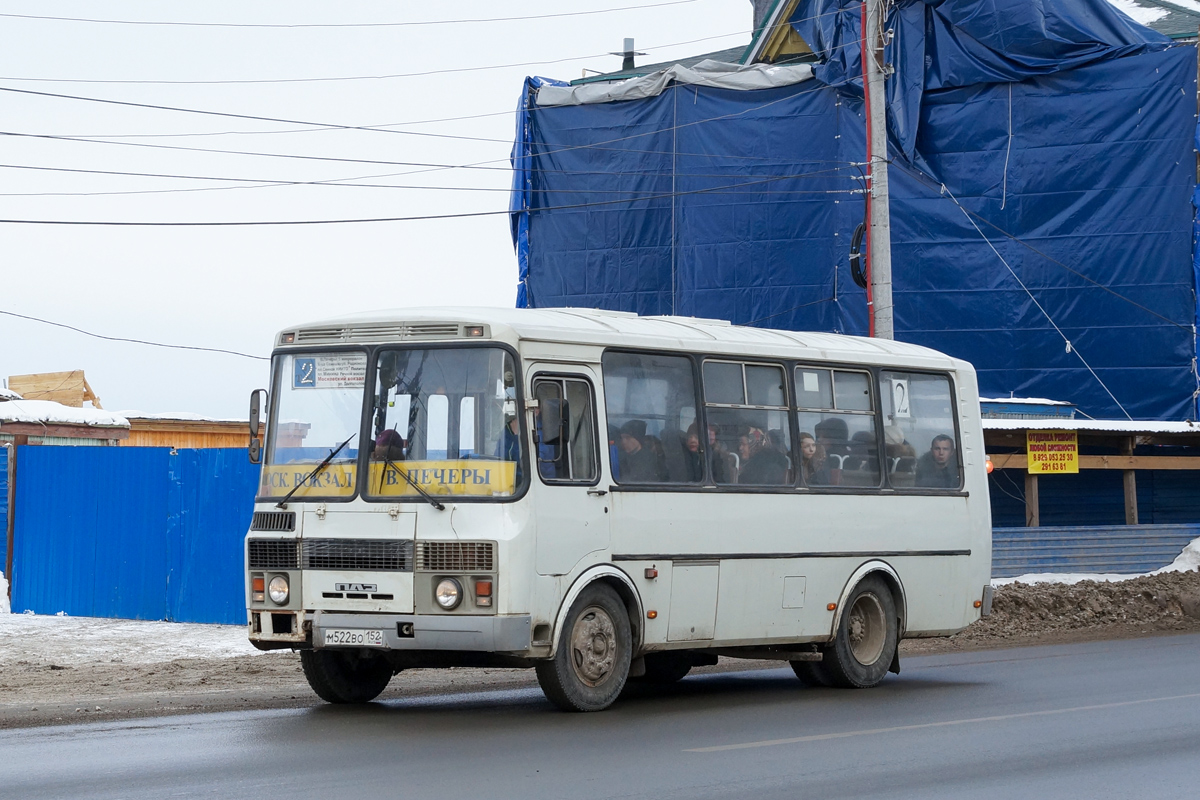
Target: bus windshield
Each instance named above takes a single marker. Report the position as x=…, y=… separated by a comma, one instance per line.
x=444, y=421
x=440, y=421
x=318, y=409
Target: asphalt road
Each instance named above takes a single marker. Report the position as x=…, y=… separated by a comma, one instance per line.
x=1102, y=719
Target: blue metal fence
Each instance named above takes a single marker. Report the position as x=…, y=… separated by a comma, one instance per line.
x=3, y=503
x=132, y=532
x=1123, y=549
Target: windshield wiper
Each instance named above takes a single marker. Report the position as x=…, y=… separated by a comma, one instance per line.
x=316, y=471
x=428, y=497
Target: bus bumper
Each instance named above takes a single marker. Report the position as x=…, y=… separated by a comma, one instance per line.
x=493, y=633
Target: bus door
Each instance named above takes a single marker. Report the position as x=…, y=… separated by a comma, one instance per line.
x=571, y=509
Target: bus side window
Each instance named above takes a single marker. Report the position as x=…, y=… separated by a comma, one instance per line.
x=647, y=397
x=838, y=428
x=919, y=433
x=572, y=457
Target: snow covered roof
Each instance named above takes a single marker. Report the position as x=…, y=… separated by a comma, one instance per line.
x=8, y=394
x=1032, y=401
x=175, y=416
x=50, y=413
x=1091, y=425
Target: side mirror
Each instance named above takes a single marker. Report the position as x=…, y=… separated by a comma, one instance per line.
x=256, y=400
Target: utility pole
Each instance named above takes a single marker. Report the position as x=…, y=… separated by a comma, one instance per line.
x=879, y=234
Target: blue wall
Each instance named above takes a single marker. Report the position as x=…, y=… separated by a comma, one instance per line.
x=132, y=532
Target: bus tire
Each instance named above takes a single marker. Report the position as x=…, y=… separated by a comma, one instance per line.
x=663, y=669
x=343, y=677
x=595, y=647
x=865, y=642
x=811, y=673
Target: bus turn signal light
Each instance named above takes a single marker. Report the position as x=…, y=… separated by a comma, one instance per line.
x=990, y=466
x=258, y=588
x=483, y=593
x=831, y=607
x=978, y=604
x=651, y=573
x=651, y=615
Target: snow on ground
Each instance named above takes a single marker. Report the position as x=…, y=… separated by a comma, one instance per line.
x=1186, y=561
x=3, y=594
x=65, y=641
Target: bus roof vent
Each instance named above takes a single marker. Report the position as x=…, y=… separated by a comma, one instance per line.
x=320, y=334
x=382, y=333
x=431, y=330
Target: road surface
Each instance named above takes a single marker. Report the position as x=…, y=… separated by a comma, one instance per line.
x=1103, y=719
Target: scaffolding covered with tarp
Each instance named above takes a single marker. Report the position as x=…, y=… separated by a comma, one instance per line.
x=1041, y=174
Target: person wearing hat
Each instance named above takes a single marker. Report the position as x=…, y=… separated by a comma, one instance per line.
x=389, y=446
x=637, y=462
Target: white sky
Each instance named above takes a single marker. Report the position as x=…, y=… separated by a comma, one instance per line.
x=234, y=287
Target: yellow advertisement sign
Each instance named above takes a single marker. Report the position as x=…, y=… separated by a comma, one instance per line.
x=336, y=480
x=1052, y=451
x=469, y=478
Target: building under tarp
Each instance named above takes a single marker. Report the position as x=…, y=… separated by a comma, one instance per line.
x=1041, y=192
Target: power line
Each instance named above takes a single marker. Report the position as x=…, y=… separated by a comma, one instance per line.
x=415, y=23
x=462, y=215
x=132, y=341
x=419, y=74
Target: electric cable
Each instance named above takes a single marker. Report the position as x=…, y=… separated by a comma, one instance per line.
x=132, y=341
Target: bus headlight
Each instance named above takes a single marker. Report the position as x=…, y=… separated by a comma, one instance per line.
x=448, y=593
x=277, y=589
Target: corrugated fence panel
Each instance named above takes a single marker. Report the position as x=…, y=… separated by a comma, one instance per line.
x=3, y=501
x=1126, y=549
x=89, y=537
x=212, y=500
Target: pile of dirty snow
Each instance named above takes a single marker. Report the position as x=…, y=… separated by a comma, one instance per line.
x=61, y=640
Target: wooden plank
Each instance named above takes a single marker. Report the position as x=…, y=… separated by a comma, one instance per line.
x=61, y=387
x=1018, y=461
x=64, y=431
x=1033, y=515
x=1129, y=479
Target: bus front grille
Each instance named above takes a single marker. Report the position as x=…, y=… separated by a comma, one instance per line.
x=273, y=521
x=380, y=555
x=456, y=556
x=274, y=554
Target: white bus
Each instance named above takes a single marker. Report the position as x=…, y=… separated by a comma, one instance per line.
x=609, y=498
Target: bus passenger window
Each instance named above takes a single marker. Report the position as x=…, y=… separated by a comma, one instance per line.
x=647, y=397
x=749, y=433
x=838, y=444
x=919, y=431
x=571, y=458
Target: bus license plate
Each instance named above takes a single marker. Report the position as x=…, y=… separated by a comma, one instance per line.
x=354, y=638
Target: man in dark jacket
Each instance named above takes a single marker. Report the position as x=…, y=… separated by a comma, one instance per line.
x=637, y=463
x=938, y=469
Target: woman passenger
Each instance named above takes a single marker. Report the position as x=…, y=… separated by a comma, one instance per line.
x=812, y=461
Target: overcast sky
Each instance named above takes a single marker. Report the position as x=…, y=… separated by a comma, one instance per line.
x=233, y=287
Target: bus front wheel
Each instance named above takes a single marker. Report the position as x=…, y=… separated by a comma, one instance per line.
x=344, y=677
x=595, y=647
x=865, y=643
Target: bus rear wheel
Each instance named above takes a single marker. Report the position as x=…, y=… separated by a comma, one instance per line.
x=865, y=643
x=595, y=647
x=345, y=677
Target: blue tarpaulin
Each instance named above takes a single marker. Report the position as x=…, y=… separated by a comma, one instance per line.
x=1041, y=184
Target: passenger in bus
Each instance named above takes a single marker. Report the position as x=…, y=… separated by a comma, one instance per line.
x=638, y=463
x=389, y=446
x=761, y=463
x=833, y=436
x=724, y=463
x=693, y=455
x=938, y=469
x=813, y=465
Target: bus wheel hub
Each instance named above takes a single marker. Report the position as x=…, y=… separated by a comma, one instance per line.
x=593, y=646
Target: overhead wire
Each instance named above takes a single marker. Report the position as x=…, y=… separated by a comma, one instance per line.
x=132, y=341
x=460, y=215
x=407, y=24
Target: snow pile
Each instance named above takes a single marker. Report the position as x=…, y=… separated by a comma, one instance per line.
x=1187, y=561
x=8, y=394
x=63, y=640
x=51, y=413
